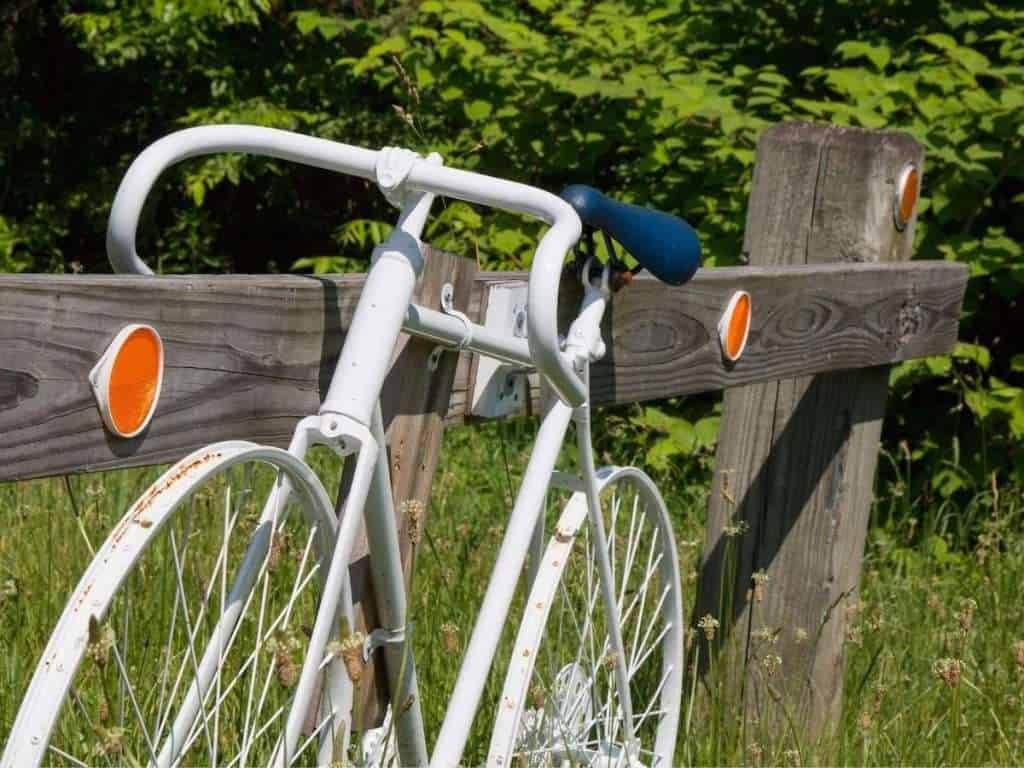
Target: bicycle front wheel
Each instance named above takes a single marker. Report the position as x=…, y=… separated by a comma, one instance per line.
x=560, y=703
x=182, y=642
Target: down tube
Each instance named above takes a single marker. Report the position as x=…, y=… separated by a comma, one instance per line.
x=493, y=612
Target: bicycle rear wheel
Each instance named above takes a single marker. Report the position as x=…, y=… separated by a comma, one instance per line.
x=182, y=642
x=560, y=703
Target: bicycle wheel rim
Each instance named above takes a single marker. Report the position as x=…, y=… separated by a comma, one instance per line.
x=125, y=683
x=559, y=706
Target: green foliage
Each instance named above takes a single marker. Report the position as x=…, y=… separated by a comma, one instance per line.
x=659, y=103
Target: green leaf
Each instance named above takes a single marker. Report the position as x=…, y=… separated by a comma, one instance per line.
x=477, y=109
x=878, y=55
x=971, y=60
x=770, y=76
x=942, y=41
x=973, y=352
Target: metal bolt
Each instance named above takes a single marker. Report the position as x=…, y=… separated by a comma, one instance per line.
x=520, y=324
x=435, y=358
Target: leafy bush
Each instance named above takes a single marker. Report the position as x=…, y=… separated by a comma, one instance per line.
x=656, y=102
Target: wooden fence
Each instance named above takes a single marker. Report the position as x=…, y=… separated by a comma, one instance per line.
x=835, y=302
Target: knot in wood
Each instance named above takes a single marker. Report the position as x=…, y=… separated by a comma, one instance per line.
x=909, y=320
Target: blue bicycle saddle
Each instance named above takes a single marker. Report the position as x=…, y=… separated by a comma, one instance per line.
x=664, y=244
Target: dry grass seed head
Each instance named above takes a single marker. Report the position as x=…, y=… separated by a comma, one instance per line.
x=759, y=579
x=278, y=545
x=708, y=624
x=879, y=695
x=412, y=511
x=350, y=649
x=450, y=637
x=965, y=618
x=766, y=635
x=111, y=742
x=756, y=752
x=735, y=529
x=771, y=663
x=948, y=670
x=101, y=641
x=864, y=721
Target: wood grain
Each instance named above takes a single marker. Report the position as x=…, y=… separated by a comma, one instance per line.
x=796, y=457
x=247, y=356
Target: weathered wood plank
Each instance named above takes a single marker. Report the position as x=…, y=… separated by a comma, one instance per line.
x=247, y=356
x=796, y=458
x=664, y=341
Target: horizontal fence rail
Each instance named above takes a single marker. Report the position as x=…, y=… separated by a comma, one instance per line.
x=248, y=355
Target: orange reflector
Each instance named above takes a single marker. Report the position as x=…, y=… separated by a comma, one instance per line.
x=908, y=189
x=734, y=327
x=127, y=379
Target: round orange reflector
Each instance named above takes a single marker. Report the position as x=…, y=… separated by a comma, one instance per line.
x=127, y=379
x=734, y=327
x=908, y=189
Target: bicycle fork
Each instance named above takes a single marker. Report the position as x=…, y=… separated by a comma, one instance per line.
x=581, y=416
x=584, y=343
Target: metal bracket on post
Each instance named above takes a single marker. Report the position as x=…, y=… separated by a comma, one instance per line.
x=501, y=389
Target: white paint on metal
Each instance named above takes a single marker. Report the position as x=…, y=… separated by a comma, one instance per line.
x=351, y=410
x=424, y=176
x=476, y=662
x=516, y=718
x=112, y=564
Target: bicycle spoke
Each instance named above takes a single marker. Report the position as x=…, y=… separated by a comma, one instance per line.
x=191, y=655
x=581, y=719
x=127, y=686
x=70, y=758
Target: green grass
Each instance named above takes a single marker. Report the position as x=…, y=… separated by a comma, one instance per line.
x=926, y=684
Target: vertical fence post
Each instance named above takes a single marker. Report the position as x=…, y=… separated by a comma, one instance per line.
x=796, y=459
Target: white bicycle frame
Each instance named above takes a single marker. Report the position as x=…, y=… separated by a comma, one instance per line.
x=349, y=419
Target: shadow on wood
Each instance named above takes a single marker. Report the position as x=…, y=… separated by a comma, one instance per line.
x=808, y=465
x=796, y=457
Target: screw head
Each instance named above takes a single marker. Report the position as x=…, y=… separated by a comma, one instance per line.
x=519, y=329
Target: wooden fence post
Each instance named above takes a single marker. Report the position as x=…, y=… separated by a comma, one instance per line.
x=796, y=459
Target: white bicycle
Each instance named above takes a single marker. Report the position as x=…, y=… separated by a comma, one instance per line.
x=215, y=624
